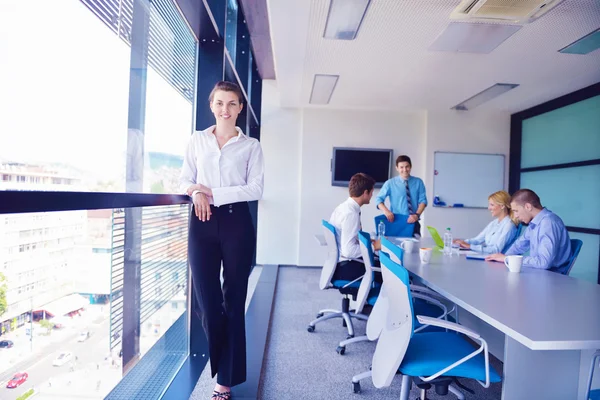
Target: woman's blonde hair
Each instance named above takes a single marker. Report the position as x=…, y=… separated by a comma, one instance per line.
x=503, y=199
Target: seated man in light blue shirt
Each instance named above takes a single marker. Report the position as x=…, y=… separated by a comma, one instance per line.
x=406, y=193
x=546, y=237
x=498, y=233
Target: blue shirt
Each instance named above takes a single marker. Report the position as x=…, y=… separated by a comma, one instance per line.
x=547, y=240
x=494, y=237
x=395, y=189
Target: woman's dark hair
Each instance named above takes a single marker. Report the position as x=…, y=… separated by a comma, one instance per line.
x=226, y=87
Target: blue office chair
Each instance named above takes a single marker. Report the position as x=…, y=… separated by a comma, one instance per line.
x=565, y=269
x=347, y=288
x=398, y=228
x=433, y=358
x=589, y=393
x=424, y=301
x=368, y=292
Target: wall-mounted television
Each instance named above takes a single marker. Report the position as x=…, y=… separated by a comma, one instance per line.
x=347, y=161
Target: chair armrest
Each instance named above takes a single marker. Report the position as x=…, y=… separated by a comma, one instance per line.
x=432, y=301
x=351, y=282
x=448, y=325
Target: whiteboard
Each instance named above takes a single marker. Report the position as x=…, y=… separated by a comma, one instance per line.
x=467, y=178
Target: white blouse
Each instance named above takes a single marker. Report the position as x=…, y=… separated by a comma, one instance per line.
x=234, y=173
x=494, y=237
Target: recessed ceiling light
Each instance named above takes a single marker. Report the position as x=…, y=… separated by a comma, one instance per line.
x=464, y=37
x=584, y=45
x=486, y=95
x=322, y=89
x=344, y=18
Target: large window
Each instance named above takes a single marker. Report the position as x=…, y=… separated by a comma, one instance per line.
x=559, y=147
x=99, y=96
x=96, y=96
x=104, y=78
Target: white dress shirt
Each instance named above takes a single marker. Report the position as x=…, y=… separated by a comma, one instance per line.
x=346, y=220
x=494, y=237
x=234, y=173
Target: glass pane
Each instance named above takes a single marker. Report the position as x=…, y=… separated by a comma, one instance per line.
x=217, y=8
x=572, y=193
x=169, y=112
x=66, y=270
x=231, y=28
x=64, y=98
x=569, y=134
x=586, y=265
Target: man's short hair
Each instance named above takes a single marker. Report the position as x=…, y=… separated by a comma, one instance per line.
x=524, y=196
x=403, y=158
x=359, y=183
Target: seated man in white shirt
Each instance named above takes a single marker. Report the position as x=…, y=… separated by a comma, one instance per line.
x=346, y=220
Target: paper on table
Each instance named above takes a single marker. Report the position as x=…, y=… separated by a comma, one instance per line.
x=474, y=255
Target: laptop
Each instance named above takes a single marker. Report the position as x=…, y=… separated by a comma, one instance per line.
x=436, y=237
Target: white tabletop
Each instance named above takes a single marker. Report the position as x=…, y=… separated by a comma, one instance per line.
x=542, y=310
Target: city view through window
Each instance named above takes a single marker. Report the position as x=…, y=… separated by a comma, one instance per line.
x=64, y=102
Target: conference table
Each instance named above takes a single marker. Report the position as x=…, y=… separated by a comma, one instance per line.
x=544, y=326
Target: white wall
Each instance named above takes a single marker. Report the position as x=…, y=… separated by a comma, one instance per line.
x=324, y=129
x=278, y=211
x=467, y=132
x=298, y=147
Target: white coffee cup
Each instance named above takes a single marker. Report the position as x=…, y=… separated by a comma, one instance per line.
x=407, y=246
x=513, y=263
x=425, y=254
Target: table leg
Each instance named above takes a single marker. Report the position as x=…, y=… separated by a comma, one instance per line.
x=539, y=374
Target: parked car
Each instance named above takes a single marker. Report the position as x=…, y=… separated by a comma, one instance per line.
x=17, y=380
x=6, y=344
x=83, y=336
x=62, y=358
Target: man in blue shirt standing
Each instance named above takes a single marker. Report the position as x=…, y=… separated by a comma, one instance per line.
x=546, y=237
x=406, y=193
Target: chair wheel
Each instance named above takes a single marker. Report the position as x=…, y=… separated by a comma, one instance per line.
x=319, y=315
x=310, y=328
x=341, y=350
x=356, y=387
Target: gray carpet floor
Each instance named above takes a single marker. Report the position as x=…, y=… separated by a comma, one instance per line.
x=303, y=365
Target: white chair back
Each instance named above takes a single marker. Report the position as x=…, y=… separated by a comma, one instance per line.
x=379, y=313
x=333, y=255
x=364, y=241
x=398, y=329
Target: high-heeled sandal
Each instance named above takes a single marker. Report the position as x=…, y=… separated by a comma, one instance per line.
x=221, y=395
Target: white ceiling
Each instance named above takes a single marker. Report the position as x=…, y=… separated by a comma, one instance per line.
x=389, y=66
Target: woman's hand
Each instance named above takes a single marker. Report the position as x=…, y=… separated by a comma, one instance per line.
x=462, y=243
x=201, y=206
x=201, y=188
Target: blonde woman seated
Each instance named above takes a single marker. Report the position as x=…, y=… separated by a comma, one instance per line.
x=500, y=232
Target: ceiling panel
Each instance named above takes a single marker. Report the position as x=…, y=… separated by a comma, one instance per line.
x=389, y=66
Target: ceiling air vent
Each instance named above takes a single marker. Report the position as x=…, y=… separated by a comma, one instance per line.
x=513, y=11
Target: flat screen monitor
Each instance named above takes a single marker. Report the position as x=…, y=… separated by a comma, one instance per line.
x=348, y=161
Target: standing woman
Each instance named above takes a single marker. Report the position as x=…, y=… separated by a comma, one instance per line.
x=222, y=170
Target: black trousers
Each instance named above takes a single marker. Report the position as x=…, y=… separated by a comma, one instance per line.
x=227, y=238
x=353, y=269
x=417, y=228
